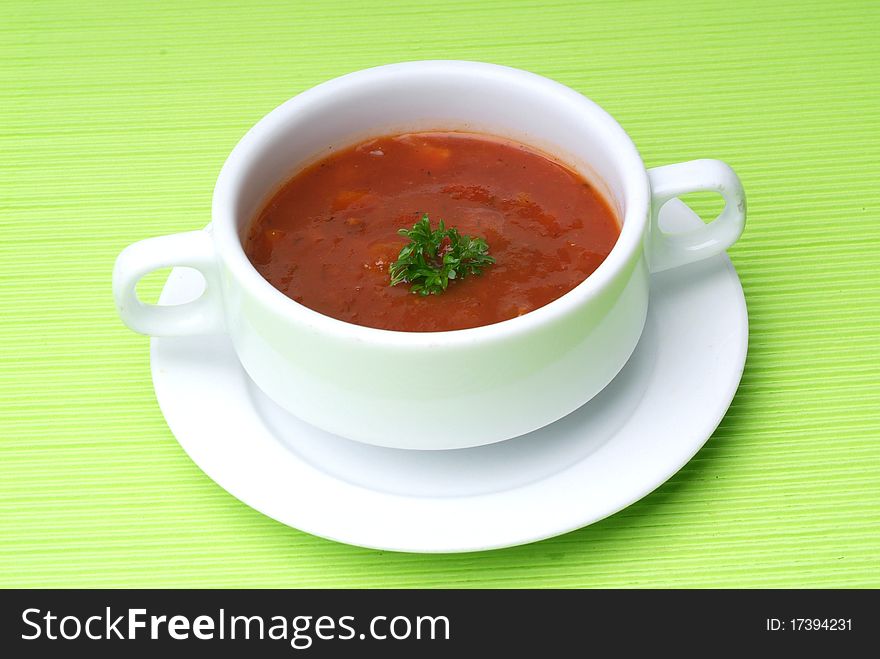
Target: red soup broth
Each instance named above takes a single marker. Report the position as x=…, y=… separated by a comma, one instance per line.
x=327, y=238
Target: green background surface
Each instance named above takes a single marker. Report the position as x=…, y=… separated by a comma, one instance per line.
x=115, y=119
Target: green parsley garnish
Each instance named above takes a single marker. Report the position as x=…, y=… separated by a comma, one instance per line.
x=434, y=257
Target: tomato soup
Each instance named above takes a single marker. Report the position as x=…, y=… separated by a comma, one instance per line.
x=328, y=236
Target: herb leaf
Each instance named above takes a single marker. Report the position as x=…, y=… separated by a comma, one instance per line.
x=434, y=257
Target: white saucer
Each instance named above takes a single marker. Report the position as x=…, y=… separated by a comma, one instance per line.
x=617, y=448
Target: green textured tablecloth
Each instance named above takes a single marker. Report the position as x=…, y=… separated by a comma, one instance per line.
x=116, y=117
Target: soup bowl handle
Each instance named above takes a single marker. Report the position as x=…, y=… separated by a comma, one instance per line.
x=194, y=249
x=669, y=250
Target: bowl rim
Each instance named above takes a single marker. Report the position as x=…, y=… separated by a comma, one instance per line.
x=636, y=193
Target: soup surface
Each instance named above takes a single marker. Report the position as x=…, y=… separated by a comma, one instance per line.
x=328, y=236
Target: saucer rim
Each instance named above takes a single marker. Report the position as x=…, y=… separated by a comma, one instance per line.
x=686, y=452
